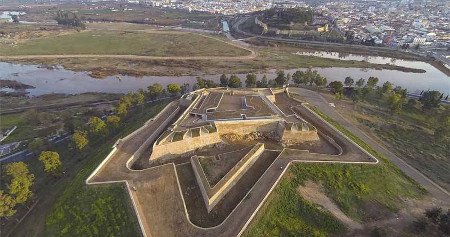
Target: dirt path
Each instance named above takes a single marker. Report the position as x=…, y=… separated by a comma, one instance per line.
x=131, y=57
x=313, y=192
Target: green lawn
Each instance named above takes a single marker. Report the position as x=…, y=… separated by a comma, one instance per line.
x=98, y=210
x=363, y=192
x=125, y=43
x=24, y=129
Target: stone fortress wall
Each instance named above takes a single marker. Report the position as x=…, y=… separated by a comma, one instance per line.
x=178, y=140
x=212, y=195
x=242, y=127
x=169, y=146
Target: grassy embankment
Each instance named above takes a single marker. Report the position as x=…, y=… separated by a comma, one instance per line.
x=163, y=43
x=363, y=192
x=104, y=210
x=410, y=134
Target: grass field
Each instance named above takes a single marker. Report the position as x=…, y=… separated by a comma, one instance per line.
x=410, y=134
x=163, y=44
x=91, y=211
x=363, y=192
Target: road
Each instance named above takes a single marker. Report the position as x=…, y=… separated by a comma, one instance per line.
x=434, y=189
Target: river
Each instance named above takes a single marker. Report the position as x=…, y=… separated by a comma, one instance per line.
x=64, y=81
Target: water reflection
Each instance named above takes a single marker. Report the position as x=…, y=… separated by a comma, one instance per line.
x=59, y=80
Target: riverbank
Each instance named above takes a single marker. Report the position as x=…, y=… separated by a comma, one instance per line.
x=266, y=60
x=350, y=49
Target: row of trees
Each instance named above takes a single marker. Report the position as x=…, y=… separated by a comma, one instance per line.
x=233, y=81
x=97, y=127
x=69, y=19
x=395, y=99
x=396, y=96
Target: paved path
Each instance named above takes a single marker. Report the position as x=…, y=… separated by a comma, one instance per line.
x=317, y=100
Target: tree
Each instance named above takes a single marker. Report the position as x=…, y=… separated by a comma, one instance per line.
x=69, y=19
x=121, y=109
x=250, y=80
x=395, y=102
x=433, y=214
x=139, y=98
x=360, y=83
x=271, y=83
x=36, y=145
x=202, y=83
x=298, y=77
x=154, y=91
x=387, y=87
x=309, y=77
x=127, y=99
x=349, y=81
x=51, y=161
x=97, y=125
x=113, y=121
x=262, y=83
x=19, y=187
x=223, y=80
x=430, y=99
x=320, y=81
x=372, y=82
x=444, y=223
x=7, y=205
x=234, y=82
x=211, y=84
x=336, y=87
x=80, y=140
x=365, y=91
x=399, y=90
x=174, y=89
x=356, y=95
x=281, y=78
